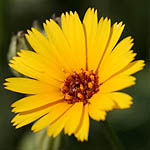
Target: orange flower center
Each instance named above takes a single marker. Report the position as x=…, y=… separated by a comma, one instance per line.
x=79, y=87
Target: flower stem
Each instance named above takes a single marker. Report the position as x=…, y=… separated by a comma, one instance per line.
x=44, y=142
x=57, y=142
x=113, y=138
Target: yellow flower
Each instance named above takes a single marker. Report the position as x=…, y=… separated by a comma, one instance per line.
x=74, y=73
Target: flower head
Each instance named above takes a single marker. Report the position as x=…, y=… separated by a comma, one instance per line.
x=73, y=73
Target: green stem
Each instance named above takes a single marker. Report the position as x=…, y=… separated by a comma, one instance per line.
x=57, y=142
x=113, y=138
x=44, y=142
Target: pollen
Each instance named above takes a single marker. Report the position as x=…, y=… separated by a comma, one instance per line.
x=79, y=87
x=90, y=85
x=92, y=77
x=80, y=95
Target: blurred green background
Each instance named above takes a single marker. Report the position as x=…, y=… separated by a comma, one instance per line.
x=132, y=125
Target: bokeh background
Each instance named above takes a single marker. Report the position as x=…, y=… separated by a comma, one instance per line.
x=133, y=125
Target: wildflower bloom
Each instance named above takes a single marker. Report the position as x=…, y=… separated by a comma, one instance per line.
x=74, y=73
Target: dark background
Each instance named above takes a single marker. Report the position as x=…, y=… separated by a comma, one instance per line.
x=132, y=125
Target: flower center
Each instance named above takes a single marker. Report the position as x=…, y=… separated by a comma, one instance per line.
x=79, y=87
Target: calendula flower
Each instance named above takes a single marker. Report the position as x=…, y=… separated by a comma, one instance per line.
x=75, y=72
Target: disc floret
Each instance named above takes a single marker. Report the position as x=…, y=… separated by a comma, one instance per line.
x=79, y=87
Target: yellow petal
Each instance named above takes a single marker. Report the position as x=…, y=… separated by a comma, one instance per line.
x=43, y=47
x=103, y=35
x=74, y=118
x=56, y=127
x=35, y=101
x=117, y=59
x=29, y=86
x=45, y=50
x=31, y=64
x=90, y=26
x=114, y=64
x=123, y=46
x=73, y=29
x=23, y=69
x=49, y=66
x=115, y=33
x=133, y=67
x=83, y=130
x=96, y=113
x=56, y=112
x=102, y=102
x=97, y=35
x=27, y=117
x=58, y=40
x=122, y=100
x=39, y=43
x=117, y=82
